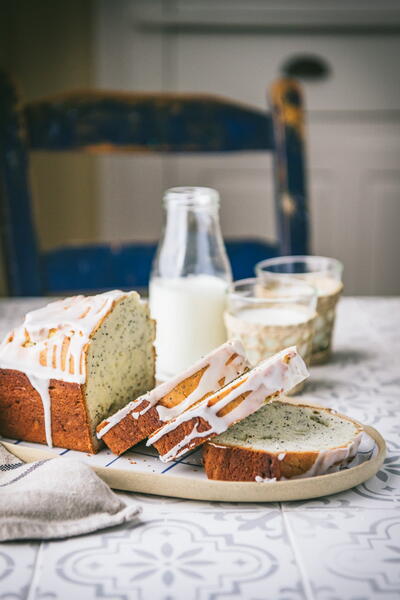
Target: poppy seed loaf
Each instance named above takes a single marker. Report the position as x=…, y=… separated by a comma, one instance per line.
x=71, y=364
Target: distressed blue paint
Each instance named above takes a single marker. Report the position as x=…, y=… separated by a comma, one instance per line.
x=101, y=267
x=244, y=254
x=155, y=122
x=105, y=122
x=98, y=267
x=291, y=197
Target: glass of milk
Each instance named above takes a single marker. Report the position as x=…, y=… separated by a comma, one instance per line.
x=189, y=280
x=269, y=318
x=325, y=274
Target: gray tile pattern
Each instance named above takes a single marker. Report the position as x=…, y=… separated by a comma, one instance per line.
x=179, y=557
x=343, y=547
x=349, y=554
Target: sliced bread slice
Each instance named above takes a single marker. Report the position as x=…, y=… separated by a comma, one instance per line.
x=282, y=440
x=234, y=402
x=149, y=412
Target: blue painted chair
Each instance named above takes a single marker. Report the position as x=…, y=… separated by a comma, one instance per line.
x=137, y=122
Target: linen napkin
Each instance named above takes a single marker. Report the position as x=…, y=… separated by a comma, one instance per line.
x=55, y=499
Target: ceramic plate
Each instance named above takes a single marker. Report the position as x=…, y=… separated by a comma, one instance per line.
x=140, y=470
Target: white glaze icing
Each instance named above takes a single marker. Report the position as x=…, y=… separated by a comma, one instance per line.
x=42, y=388
x=216, y=370
x=328, y=458
x=51, y=343
x=281, y=455
x=277, y=374
x=325, y=460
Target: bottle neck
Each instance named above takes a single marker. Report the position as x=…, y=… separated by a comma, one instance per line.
x=192, y=242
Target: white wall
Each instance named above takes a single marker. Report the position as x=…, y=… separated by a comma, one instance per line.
x=353, y=121
x=234, y=49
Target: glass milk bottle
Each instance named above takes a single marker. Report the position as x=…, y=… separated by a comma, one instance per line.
x=189, y=280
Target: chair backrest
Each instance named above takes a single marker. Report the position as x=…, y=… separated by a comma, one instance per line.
x=139, y=122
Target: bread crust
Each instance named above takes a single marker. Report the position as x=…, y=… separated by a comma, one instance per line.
x=22, y=415
x=130, y=431
x=235, y=463
x=168, y=441
x=238, y=463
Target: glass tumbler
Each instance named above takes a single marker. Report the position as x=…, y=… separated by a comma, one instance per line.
x=325, y=274
x=269, y=318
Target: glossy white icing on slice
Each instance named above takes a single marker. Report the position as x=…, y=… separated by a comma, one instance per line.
x=52, y=341
x=278, y=374
x=224, y=363
x=324, y=463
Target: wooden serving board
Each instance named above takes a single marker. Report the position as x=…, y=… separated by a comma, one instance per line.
x=140, y=470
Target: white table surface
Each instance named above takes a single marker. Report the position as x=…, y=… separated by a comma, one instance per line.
x=340, y=547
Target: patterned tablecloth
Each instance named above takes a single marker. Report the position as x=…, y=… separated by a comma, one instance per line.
x=341, y=547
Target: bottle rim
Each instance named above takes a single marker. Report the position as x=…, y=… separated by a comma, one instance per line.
x=191, y=196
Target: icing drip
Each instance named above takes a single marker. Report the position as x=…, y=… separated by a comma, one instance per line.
x=328, y=458
x=325, y=461
x=51, y=343
x=277, y=374
x=216, y=369
x=259, y=479
x=42, y=388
